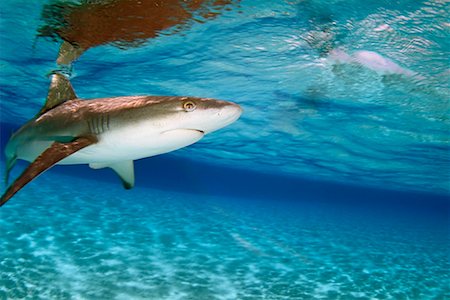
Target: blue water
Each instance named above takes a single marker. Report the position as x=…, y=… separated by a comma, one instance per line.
x=334, y=184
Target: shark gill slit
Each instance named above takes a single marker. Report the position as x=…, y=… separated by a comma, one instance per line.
x=89, y=126
x=93, y=125
x=97, y=125
x=102, y=123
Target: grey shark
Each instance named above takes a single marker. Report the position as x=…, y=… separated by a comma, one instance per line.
x=110, y=132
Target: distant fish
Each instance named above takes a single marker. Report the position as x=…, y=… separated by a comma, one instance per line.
x=110, y=132
x=370, y=60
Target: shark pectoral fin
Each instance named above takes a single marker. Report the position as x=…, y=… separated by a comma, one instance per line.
x=125, y=170
x=60, y=90
x=52, y=155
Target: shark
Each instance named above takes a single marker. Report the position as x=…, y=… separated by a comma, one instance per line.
x=109, y=132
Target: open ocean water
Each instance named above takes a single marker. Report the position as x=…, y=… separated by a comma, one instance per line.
x=333, y=184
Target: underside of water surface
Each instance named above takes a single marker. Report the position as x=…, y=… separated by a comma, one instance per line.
x=355, y=95
x=333, y=184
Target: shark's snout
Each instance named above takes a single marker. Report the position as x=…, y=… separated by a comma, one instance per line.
x=224, y=116
x=231, y=112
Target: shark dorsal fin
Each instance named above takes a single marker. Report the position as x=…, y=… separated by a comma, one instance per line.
x=60, y=90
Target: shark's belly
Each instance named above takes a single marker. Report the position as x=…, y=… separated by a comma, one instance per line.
x=129, y=145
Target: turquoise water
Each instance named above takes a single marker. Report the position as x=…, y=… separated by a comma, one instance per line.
x=97, y=241
x=334, y=184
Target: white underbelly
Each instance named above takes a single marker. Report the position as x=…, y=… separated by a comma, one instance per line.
x=114, y=147
x=122, y=145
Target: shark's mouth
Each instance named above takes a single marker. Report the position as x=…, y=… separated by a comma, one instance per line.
x=198, y=130
x=183, y=129
x=178, y=138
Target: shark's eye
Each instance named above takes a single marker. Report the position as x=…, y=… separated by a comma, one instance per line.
x=189, y=106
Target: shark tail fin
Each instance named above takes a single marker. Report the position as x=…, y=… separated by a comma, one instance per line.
x=60, y=90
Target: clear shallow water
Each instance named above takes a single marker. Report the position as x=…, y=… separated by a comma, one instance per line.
x=344, y=92
x=92, y=241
